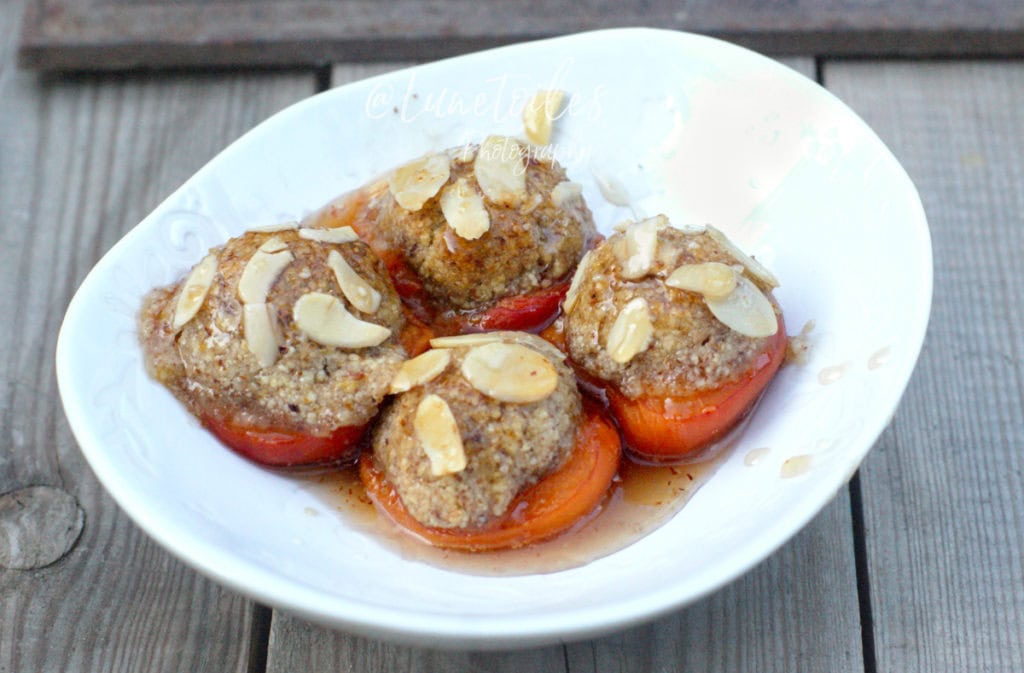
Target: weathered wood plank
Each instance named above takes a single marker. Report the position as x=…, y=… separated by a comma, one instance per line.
x=89, y=34
x=345, y=73
x=797, y=611
x=944, y=509
x=296, y=645
x=81, y=160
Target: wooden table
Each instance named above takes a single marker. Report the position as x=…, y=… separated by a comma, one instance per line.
x=917, y=566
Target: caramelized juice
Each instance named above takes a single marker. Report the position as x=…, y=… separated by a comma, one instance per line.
x=641, y=499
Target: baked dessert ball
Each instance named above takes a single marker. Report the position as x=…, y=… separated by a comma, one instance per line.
x=282, y=343
x=477, y=425
x=678, y=327
x=482, y=223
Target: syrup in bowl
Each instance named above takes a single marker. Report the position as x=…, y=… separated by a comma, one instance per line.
x=642, y=498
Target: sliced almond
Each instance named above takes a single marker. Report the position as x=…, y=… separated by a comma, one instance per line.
x=480, y=338
x=324, y=319
x=438, y=434
x=464, y=210
x=194, y=290
x=261, y=271
x=418, y=181
x=335, y=235
x=639, y=247
x=471, y=339
x=631, y=332
x=273, y=244
x=754, y=267
x=262, y=335
x=419, y=370
x=282, y=226
x=510, y=372
x=713, y=280
x=539, y=115
x=566, y=193
x=500, y=170
x=360, y=294
x=463, y=154
x=691, y=229
x=745, y=310
x=667, y=255
x=573, y=293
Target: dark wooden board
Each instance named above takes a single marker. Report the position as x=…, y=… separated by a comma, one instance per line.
x=110, y=34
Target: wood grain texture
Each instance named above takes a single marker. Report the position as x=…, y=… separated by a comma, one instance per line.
x=90, y=34
x=797, y=611
x=346, y=73
x=82, y=160
x=944, y=509
x=38, y=526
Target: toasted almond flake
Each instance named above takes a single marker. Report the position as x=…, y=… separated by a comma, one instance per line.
x=510, y=372
x=480, y=338
x=324, y=319
x=418, y=181
x=194, y=290
x=335, y=235
x=754, y=267
x=421, y=369
x=260, y=272
x=464, y=154
x=273, y=228
x=262, y=335
x=471, y=339
x=667, y=255
x=745, y=310
x=438, y=433
x=631, y=332
x=691, y=229
x=798, y=347
x=539, y=115
x=464, y=210
x=566, y=193
x=273, y=244
x=368, y=193
x=359, y=293
x=639, y=247
x=573, y=293
x=713, y=280
x=500, y=170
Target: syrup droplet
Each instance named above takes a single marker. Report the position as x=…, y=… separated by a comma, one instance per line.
x=879, y=358
x=830, y=375
x=755, y=456
x=795, y=466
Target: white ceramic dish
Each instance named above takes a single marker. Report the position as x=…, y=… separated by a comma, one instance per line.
x=675, y=123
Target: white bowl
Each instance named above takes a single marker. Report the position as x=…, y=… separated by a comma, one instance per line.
x=663, y=121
